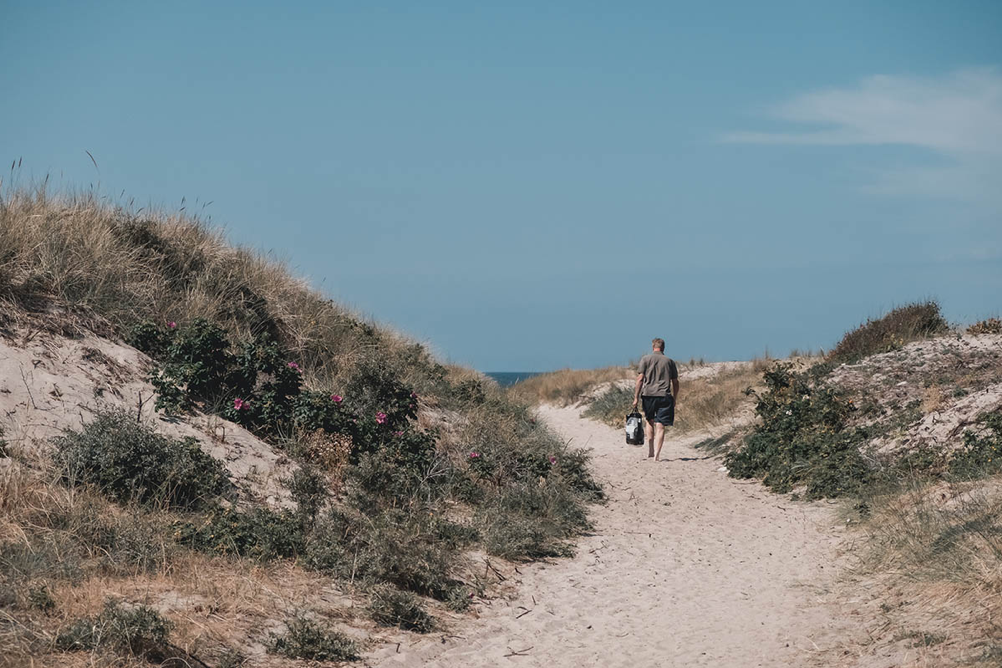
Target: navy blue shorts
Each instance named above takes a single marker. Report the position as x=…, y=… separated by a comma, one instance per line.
x=660, y=409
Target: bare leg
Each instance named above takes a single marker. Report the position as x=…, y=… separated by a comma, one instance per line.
x=659, y=436
x=649, y=433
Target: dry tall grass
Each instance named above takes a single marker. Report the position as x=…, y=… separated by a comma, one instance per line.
x=705, y=401
x=940, y=544
x=76, y=261
x=568, y=386
x=73, y=550
x=889, y=332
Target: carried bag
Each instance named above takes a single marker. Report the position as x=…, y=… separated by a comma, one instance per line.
x=635, y=428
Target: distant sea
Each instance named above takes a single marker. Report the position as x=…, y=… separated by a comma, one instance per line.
x=509, y=378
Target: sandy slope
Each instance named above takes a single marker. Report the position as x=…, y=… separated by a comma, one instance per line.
x=686, y=567
x=51, y=383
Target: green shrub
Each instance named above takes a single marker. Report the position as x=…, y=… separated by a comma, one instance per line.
x=310, y=640
x=611, y=406
x=196, y=364
x=981, y=455
x=391, y=607
x=149, y=338
x=460, y=599
x=260, y=388
x=309, y=489
x=890, y=332
x=510, y=447
x=803, y=438
x=138, y=631
x=260, y=533
x=129, y=462
x=395, y=546
x=393, y=478
x=52, y=557
x=531, y=520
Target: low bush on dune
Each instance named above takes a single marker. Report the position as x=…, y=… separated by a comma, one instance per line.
x=890, y=332
x=130, y=462
x=981, y=454
x=392, y=607
x=256, y=533
x=530, y=522
x=803, y=438
x=139, y=632
x=987, y=326
x=311, y=640
x=395, y=547
x=611, y=406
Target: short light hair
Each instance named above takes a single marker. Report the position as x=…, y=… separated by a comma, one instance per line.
x=659, y=344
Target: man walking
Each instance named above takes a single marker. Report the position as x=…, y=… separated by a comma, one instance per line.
x=657, y=385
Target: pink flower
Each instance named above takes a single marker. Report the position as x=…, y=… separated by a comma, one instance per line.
x=172, y=324
x=239, y=403
x=553, y=460
x=474, y=455
x=413, y=395
x=398, y=434
x=381, y=417
x=293, y=365
x=337, y=398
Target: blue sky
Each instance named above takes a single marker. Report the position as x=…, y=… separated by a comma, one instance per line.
x=529, y=186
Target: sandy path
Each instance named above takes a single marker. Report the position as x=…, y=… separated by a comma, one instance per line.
x=686, y=567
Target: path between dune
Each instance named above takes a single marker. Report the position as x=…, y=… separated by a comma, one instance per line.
x=686, y=567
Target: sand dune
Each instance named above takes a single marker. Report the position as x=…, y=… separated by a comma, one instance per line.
x=686, y=567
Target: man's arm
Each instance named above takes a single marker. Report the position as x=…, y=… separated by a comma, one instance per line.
x=636, y=389
x=674, y=388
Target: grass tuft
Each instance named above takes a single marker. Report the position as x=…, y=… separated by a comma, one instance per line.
x=311, y=640
x=567, y=386
x=392, y=607
x=138, y=631
x=890, y=332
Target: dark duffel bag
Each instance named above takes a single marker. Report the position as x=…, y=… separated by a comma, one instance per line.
x=635, y=428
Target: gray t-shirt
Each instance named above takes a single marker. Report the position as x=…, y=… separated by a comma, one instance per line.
x=658, y=372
